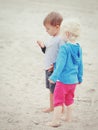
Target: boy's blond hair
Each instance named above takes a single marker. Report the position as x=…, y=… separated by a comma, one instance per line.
x=73, y=27
x=53, y=18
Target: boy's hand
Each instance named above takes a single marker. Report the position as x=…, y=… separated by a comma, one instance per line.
x=41, y=44
x=51, y=68
x=51, y=81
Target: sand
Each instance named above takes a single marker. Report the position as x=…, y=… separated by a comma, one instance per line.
x=22, y=81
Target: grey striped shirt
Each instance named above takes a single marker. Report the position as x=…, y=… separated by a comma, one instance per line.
x=52, y=47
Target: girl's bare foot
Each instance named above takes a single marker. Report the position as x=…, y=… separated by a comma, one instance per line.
x=53, y=124
x=68, y=120
x=63, y=118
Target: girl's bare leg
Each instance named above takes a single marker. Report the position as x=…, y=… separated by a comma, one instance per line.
x=56, y=117
x=69, y=113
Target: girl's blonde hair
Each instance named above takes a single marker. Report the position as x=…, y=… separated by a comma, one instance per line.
x=73, y=27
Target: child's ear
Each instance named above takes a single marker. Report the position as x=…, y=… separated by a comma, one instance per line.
x=58, y=26
x=67, y=34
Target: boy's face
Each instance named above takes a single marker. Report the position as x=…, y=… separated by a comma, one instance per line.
x=52, y=30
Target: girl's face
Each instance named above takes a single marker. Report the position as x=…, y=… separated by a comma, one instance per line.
x=52, y=30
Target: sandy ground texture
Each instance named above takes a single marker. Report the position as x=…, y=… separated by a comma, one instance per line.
x=22, y=81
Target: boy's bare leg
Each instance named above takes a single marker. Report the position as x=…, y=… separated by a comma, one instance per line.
x=51, y=108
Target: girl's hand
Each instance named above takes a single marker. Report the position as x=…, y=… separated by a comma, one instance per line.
x=78, y=83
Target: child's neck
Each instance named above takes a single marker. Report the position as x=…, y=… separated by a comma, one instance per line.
x=72, y=41
x=56, y=34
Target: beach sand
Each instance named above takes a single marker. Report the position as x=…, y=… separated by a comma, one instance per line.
x=22, y=81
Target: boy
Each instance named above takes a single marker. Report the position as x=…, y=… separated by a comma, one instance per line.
x=67, y=73
x=52, y=24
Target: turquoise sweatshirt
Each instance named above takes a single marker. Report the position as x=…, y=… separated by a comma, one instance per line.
x=69, y=66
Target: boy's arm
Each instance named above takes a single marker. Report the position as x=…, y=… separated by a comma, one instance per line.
x=42, y=46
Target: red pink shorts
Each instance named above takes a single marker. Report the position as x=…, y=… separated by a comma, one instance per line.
x=64, y=94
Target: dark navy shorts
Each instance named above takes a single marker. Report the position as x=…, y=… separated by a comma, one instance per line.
x=49, y=85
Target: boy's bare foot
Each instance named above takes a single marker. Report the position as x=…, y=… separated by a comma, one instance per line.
x=47, y=110
x=53, y=124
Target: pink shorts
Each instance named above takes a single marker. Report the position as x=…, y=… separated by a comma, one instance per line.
x=64, y=94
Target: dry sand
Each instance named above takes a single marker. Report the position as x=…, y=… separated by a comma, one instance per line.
x=22, y=86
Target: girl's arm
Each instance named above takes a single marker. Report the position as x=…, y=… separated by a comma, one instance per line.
x=80, y=69
x=60, y=63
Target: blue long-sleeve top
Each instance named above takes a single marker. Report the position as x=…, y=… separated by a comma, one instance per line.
x=69, y=64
